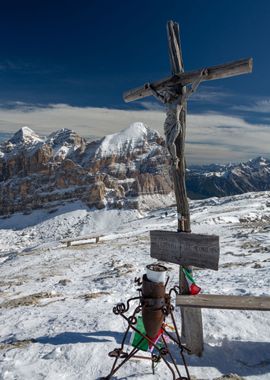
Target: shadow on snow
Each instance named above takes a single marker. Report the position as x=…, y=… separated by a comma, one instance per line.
x=80, y=337
x=245, y=358
x=242, y=357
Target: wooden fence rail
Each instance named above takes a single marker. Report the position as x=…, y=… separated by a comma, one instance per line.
x=212, y=301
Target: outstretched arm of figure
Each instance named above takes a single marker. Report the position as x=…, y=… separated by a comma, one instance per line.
x=190, y=90
x=154, y=92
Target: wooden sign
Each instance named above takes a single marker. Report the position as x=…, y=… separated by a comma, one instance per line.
x=185, y=249
x=214, y=301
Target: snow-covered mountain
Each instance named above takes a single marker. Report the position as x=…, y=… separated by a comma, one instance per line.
x=115, y=171
x=112, y=171
x=135, y=139
x=231, y=179
x=24, y=136
x=56, y=319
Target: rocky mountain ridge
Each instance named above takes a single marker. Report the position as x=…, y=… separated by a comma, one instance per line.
x=231, y=179
x=37, y=172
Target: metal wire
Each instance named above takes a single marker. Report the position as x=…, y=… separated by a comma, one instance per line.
x=164, y=351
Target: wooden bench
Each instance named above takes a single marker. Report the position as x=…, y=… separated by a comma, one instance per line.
x=69, y=242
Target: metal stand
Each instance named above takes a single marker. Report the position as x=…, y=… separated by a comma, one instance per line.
x=163, y=351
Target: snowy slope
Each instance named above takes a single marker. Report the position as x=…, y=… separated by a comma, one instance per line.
x=56, y=319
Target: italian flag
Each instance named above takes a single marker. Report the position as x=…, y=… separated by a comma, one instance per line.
x=136, y=340
x=193, y=288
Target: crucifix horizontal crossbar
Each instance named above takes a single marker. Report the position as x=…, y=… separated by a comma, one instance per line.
x=225, y=70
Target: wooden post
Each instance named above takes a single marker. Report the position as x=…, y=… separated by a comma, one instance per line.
x=192, y=330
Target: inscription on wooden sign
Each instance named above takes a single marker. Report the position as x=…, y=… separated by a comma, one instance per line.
x=185, y=249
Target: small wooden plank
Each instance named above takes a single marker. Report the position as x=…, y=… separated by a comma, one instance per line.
x=213, y=301
x=83, y=237
x=185, y=249
x=226, y=70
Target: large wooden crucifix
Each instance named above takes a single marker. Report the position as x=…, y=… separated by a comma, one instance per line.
x=174, y=92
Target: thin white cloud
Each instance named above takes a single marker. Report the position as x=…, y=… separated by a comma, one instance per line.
x=87, y=121
x=211, y=137
x=151, y=105
x=221, y=138
x=212, y=95
x=260, y=106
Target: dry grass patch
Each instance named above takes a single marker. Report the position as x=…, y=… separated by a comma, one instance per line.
x=16, y=344
x=32, y=299
x=91, y=296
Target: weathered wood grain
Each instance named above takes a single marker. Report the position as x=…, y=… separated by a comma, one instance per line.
x=212, y=301
x=176, y=58
x=185, y=249
x=192, y=328
x=226, y=70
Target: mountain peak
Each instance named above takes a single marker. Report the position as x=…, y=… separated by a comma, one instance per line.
x=63, y=135
x=25, y=135
x=64, y=142
x=259, y=159
x=137, y=135
x=139, y=130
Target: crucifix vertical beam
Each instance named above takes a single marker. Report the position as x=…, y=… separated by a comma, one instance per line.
x=174, y=91
x=192, y=328
x=177, y=66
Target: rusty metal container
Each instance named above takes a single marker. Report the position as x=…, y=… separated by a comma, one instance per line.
x=153, y=300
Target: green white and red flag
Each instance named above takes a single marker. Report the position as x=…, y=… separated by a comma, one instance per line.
x=193, y=288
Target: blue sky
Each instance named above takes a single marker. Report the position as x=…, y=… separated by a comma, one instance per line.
x=84, y=54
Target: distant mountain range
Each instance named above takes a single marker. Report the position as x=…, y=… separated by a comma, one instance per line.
x=114, y=171
x=231, y=179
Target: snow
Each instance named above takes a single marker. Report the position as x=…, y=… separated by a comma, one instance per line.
x=133, y=137
x=25, y=135
x=216, y=174
x=63, y=143
x=56, y=319
x=260, y=164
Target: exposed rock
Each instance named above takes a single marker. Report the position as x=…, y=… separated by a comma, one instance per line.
x=36, y=171
x=112, y=171
x=64, y=282
x=230, y=376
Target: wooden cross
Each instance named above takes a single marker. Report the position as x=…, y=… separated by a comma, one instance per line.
x=174, y=91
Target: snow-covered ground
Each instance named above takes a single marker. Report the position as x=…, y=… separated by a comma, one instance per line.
x=56, y=319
